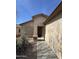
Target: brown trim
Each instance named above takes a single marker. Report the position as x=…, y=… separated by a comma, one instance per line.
x=54, y=13
x=41, y=14
x=25, y=22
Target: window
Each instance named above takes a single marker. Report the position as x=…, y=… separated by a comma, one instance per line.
x=19, y=30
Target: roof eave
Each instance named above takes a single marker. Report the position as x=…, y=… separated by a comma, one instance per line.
x=54, y=13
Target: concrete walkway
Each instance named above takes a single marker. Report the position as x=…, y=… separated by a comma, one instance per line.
x=38, y=50
x=44, y=52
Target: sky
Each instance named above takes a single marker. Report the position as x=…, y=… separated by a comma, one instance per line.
x=25, y=9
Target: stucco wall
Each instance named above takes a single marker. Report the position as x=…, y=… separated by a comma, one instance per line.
x=27, y=29
x=53, y=35
x=38, y=21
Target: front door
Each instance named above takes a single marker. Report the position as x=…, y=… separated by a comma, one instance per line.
x=40, y=29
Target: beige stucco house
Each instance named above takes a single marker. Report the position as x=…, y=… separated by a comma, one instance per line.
x=53, y=31
x=46, y=28
x=34, y=28
x=18, y=30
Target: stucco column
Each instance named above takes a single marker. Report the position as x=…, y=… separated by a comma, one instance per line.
x=35, y=31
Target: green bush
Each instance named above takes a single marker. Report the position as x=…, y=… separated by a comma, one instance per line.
x=21, y=45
